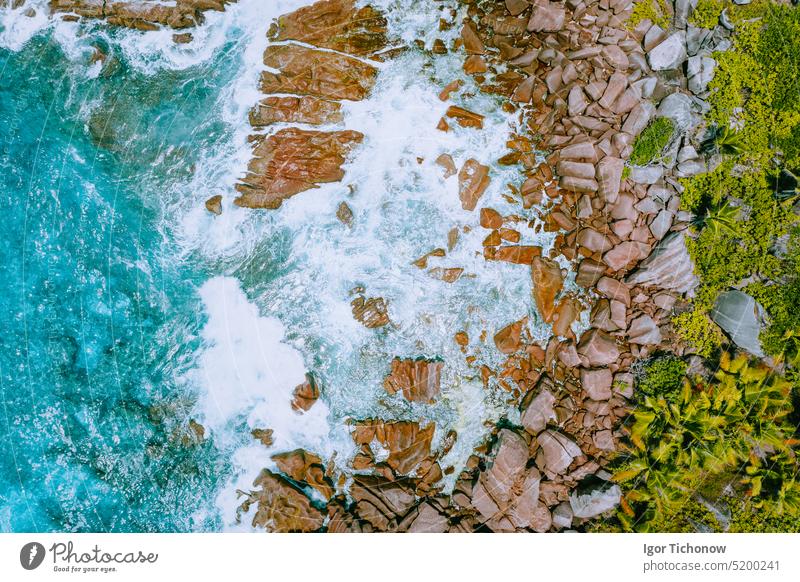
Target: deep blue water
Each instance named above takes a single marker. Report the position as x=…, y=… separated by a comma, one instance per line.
x=98, y=314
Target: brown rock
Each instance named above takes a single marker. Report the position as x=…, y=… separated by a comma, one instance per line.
x=381, y=502
x=558, y=451
x=472, y=42
x=263, y=435
x=372, y=312
x=517, y=254
x=508, y=339
x=473, y=179
x=303, y=466
x=407, y=443
x=307, y=71
x=622, y=255
x=214, y=204
x=614, y=289
x=292, y=161
x=465, y=117
x=567, y=312
x=490, y=218
x=538, y=411
x=546, y=16
x=516, y=7
x=281, y=507
x=609, y=176
x=597, y=383
x=446, y=162
x=547, y=284
x=334, y=24
x=419, y=380
x=598, y=348
x=305, y=394
x=291, y=109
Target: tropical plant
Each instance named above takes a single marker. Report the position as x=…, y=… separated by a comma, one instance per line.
x=736, y=424
x=719, y=219
x=724, y=140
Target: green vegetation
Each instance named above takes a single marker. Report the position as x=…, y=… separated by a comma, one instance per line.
x=707, y=13
x=651, y=142
x=732, y=433
x=744, y=215
x=662, y=377
x=654, y=10
x=697, y=329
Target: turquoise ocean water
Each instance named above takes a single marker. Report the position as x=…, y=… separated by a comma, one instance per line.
x=98, y=311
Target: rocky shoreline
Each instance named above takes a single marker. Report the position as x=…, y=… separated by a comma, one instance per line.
x=585, y=85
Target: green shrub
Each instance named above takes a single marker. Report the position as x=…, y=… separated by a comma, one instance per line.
x=697, y=329
x=731, y=431
x=651, y=142
x=662, y=377
x=707, y=12
x=654, y=10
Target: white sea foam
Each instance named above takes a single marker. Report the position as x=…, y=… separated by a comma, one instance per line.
x=19, y=25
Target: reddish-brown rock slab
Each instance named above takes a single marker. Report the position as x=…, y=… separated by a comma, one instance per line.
x=281, y=507
x=473, y=179
x=507, y=492
x=292, y=161
x=547, y=284
x=305, y=467
x=372, y=312
x=407, y=443
x=509, y=339
x=305, y=394
x=290, y=109
x=418, y=380
x=338, y=25
x=381, y=502
x=307, y=71
x=142, y=14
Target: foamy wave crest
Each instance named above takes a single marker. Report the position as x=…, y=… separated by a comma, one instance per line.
x=20, y=24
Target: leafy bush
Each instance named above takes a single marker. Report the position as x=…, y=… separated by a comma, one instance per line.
x=735, y=425
x=654, y=10
x=697, y=329
x=707, y=12
x=662, y=377
x=651, y=142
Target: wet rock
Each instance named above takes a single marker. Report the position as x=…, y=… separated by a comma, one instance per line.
x=558, y=451
x=597, y=383
x=742, y=318
x=669, y=54
x=546, y=16
x=614, y=289
x=292, y=161
x=281, y=507
x=472, y=42
x=263, y=435
x=593, y=240
x=508, y=339
x=537, y=411
x=305, y=467
x=669, y=266
x=589, y=273
x=418, y=380
x=372, y=312
x=473, y=179
x=490, y=218
x=379, y=501
x=465, y=117
x=593, y=500
x=547, y=284
x=598, y=348
x=516, y=7
x=446, y=162
x=214, y=204
x=292, y=109
x=305, y=394
x=307, y=71
x=407, y=443
x=567, y=312
x=338, y=25
x=142, y=14
x=182, y=38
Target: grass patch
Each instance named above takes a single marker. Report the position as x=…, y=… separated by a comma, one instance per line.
x=651, y=142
